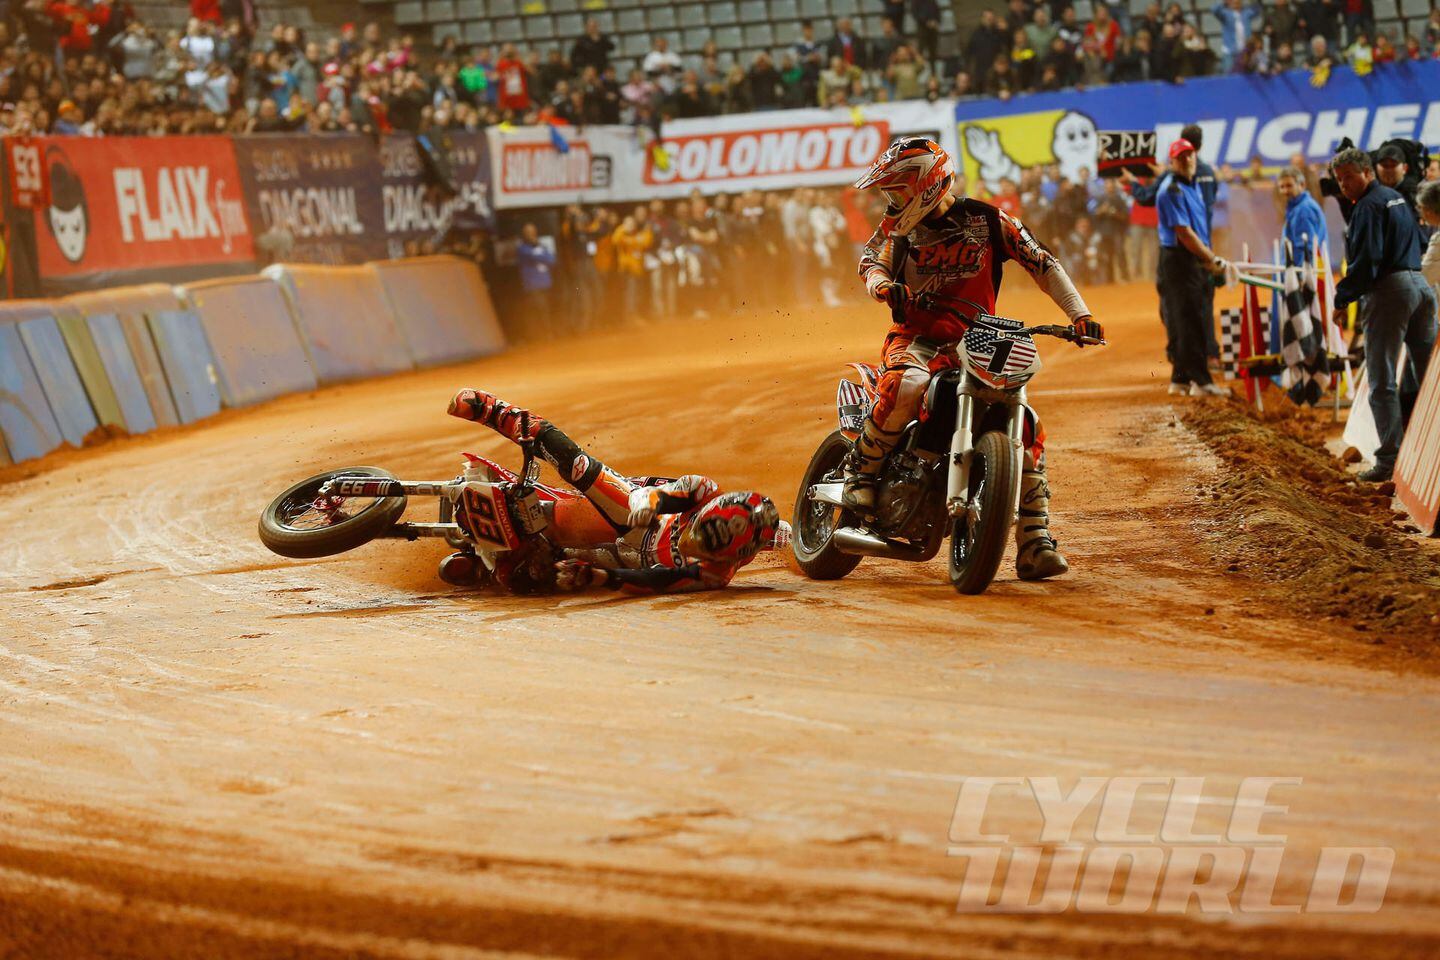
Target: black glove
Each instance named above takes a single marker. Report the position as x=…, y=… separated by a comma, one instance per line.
x=896, y=294
x=1087, y=328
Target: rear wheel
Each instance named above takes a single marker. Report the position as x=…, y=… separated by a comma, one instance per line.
x=815, y=523
x=977, y=539
x=301, y=524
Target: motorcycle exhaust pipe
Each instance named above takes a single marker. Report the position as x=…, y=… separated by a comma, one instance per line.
x=861, y=544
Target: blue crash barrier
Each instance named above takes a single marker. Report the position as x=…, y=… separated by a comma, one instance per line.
x=88, y=365
x=152, y=373
x=29, y=427
x=258, y=353
x=189, y=366
x=443, y=308
x=110, y=341
x=57, y=374
x=344, y=320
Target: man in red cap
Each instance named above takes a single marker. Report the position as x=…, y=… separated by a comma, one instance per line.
x=1186, y=266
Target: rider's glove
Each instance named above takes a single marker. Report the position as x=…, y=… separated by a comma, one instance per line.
x=643, y=502
x=572, y=575
x=1088, y=329
x=894, y=293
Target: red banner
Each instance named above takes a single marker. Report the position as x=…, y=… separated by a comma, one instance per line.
x=133, y=205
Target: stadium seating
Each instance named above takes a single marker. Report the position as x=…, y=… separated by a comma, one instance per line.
x=743, y=28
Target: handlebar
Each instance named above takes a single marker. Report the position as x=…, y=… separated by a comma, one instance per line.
x=931, y=301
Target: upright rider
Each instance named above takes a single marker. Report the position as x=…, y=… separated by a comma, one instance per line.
x=931, y=241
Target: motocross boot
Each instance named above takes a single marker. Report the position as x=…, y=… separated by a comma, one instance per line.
x=1037, y=555
x=862, y=466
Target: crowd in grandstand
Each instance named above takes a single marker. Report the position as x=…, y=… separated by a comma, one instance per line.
x=91, y=67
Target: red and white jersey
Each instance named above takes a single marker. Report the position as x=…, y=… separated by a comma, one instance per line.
x=961, y=255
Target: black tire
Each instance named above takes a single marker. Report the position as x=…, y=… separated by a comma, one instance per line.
x=977, y=544
x=814, y=523
x=356, y=529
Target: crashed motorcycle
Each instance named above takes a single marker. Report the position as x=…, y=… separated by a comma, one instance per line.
x=954, y=472
x=495, y=520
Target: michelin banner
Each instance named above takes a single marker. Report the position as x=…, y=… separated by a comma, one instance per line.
x=1275, y=117
x=538, y=166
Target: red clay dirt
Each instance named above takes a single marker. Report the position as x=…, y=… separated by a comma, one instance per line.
x=208, y=750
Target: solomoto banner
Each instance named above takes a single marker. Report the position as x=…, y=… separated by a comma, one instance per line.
x=768, y=150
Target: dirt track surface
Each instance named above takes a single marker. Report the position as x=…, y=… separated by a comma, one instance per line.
x=207, y=750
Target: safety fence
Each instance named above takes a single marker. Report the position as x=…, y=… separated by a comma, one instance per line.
x=134, y=359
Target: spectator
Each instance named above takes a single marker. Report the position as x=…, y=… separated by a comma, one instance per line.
x=1105, y=30
x=662, y=65
x=1360, y=54
x=1304, y=220
x=847, y=45
x=1236, y=23
x=1132, y=59
x=1320, y=58
x=807, y=45
x=927, y=29
x=214, y=87
x=637, y=93
x=593, y=49
x=692, y=100
x=1384, y=49
x=536, y=263
x=737, y=91
x=1359, y=18
x=1321, y=18
x=1082, y=252
x=894, y=14
x=837, y=78
x=1383, y=247
x=987, y=41
x=135, y=50
x=1024, y=60
x=883, y=49
x=1040, y=32
x=1282, y=24
x=906, y=75
x=511, y=81
x=633, y=240
x=1069, y=29
x=1094, y=71
x=1429, y=201
x=199, y=42
x=765, y=88
x=70, y=121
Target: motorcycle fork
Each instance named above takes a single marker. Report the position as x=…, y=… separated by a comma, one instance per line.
x=962, y=446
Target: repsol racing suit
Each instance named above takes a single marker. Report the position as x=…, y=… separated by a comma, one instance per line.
x=628, y=528
x=959, y=254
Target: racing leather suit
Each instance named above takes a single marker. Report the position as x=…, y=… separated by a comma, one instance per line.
x=631, y=527
x=959, y=254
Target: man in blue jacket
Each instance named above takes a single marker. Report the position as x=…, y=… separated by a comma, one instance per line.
x=536, y=262
x=1383, y=247
x=1304, y=220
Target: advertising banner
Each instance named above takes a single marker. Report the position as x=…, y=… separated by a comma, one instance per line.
x=128, y=209
x=313, y=199
x=414, y=211
x=767, y=150
x=1275, y=117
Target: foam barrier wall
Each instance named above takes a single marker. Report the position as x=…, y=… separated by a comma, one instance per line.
x=149, y=356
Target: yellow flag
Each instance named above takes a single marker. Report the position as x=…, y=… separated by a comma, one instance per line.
x=856, y=117
x=1321, y=75
x=1363, y=67
x=660, y=156
x=506, y=126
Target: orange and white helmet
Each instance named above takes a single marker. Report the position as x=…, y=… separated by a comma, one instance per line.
x=913, y=173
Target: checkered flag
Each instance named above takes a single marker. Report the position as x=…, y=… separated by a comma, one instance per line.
x=1234, y=345
x=1302, y=345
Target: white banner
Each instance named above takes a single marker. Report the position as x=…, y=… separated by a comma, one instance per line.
x=772, y=150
